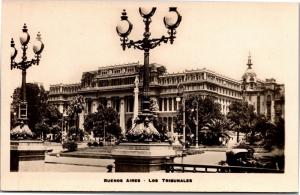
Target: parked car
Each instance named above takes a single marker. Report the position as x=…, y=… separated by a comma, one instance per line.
x=240, y=157
x=245, y=157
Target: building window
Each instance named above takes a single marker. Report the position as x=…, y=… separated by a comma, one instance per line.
x=258, y=104
x=169, y=123
x=160, y=104
x=130, y=102
x=89, y=106
x=170, y=104
x=165, y=104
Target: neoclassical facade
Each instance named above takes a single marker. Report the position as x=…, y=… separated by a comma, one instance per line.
x=267, y=96
x=114, y=86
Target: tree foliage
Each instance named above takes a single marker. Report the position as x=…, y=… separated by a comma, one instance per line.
x=104, y=121
x=41, y=115
x=75, y=107
x=36, y=98
x=242, y=116
x=51, y=115
x=207, y=109
x=216, y=131
x=41, y=129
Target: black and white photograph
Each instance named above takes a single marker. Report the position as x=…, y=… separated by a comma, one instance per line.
x=147, y=95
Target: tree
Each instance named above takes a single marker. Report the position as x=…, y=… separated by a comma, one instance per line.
x=41, y=129
x=207, y=109
x=75, y=107
x=75, y=133
x=103, y=123
x=56, y=131
x=242, y=116
x=51, y=115
x=41, y=115
x=280, y=133
x=274, y=136
x=36, y=98
x=216, y=129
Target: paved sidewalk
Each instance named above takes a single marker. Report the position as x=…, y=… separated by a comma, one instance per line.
x=78, y=161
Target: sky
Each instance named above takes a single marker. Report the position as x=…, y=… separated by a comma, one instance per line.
x=81, y=36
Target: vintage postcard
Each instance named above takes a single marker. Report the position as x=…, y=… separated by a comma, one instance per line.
x=149, y=96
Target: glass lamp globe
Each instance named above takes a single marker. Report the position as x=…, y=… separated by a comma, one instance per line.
x=178, y=99
x=13, y=52
x=37, y=45
x=146, y=10
x=24, y=38
x=171, y=18
x=123, y=27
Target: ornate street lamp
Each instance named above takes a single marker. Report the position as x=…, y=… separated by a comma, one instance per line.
x=180, y=96
x=171, y=21
x=196, y=105
x=24, y=64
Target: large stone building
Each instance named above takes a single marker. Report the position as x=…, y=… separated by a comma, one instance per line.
x=267, y=96
x=113, y=86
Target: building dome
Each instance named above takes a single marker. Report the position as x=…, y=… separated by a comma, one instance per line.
x=249, y=73
x=249, y=77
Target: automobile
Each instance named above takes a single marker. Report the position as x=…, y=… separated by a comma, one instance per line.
x=241, y=157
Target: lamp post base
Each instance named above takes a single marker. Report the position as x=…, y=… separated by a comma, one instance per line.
x=142, y=157
x=22, y=152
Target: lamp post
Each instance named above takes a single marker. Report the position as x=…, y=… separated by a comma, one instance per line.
x=24, y=64
x=171, y=21
x=180, y=96
x=196, y=104
x=63, y=131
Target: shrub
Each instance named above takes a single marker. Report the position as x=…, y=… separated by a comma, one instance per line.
x=89, y=144
x=70, y=146
x=95, y=144
x=101, y=144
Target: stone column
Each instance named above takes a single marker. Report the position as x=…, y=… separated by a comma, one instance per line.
x=122, y=115
x=94, y=106
x=272, y=111
x=172, y=104
x=162, y=104
x=61, y=108
x=81, y=120
x=136, y=100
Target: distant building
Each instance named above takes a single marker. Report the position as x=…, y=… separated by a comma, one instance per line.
x=267, y=96
x=113, y=86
